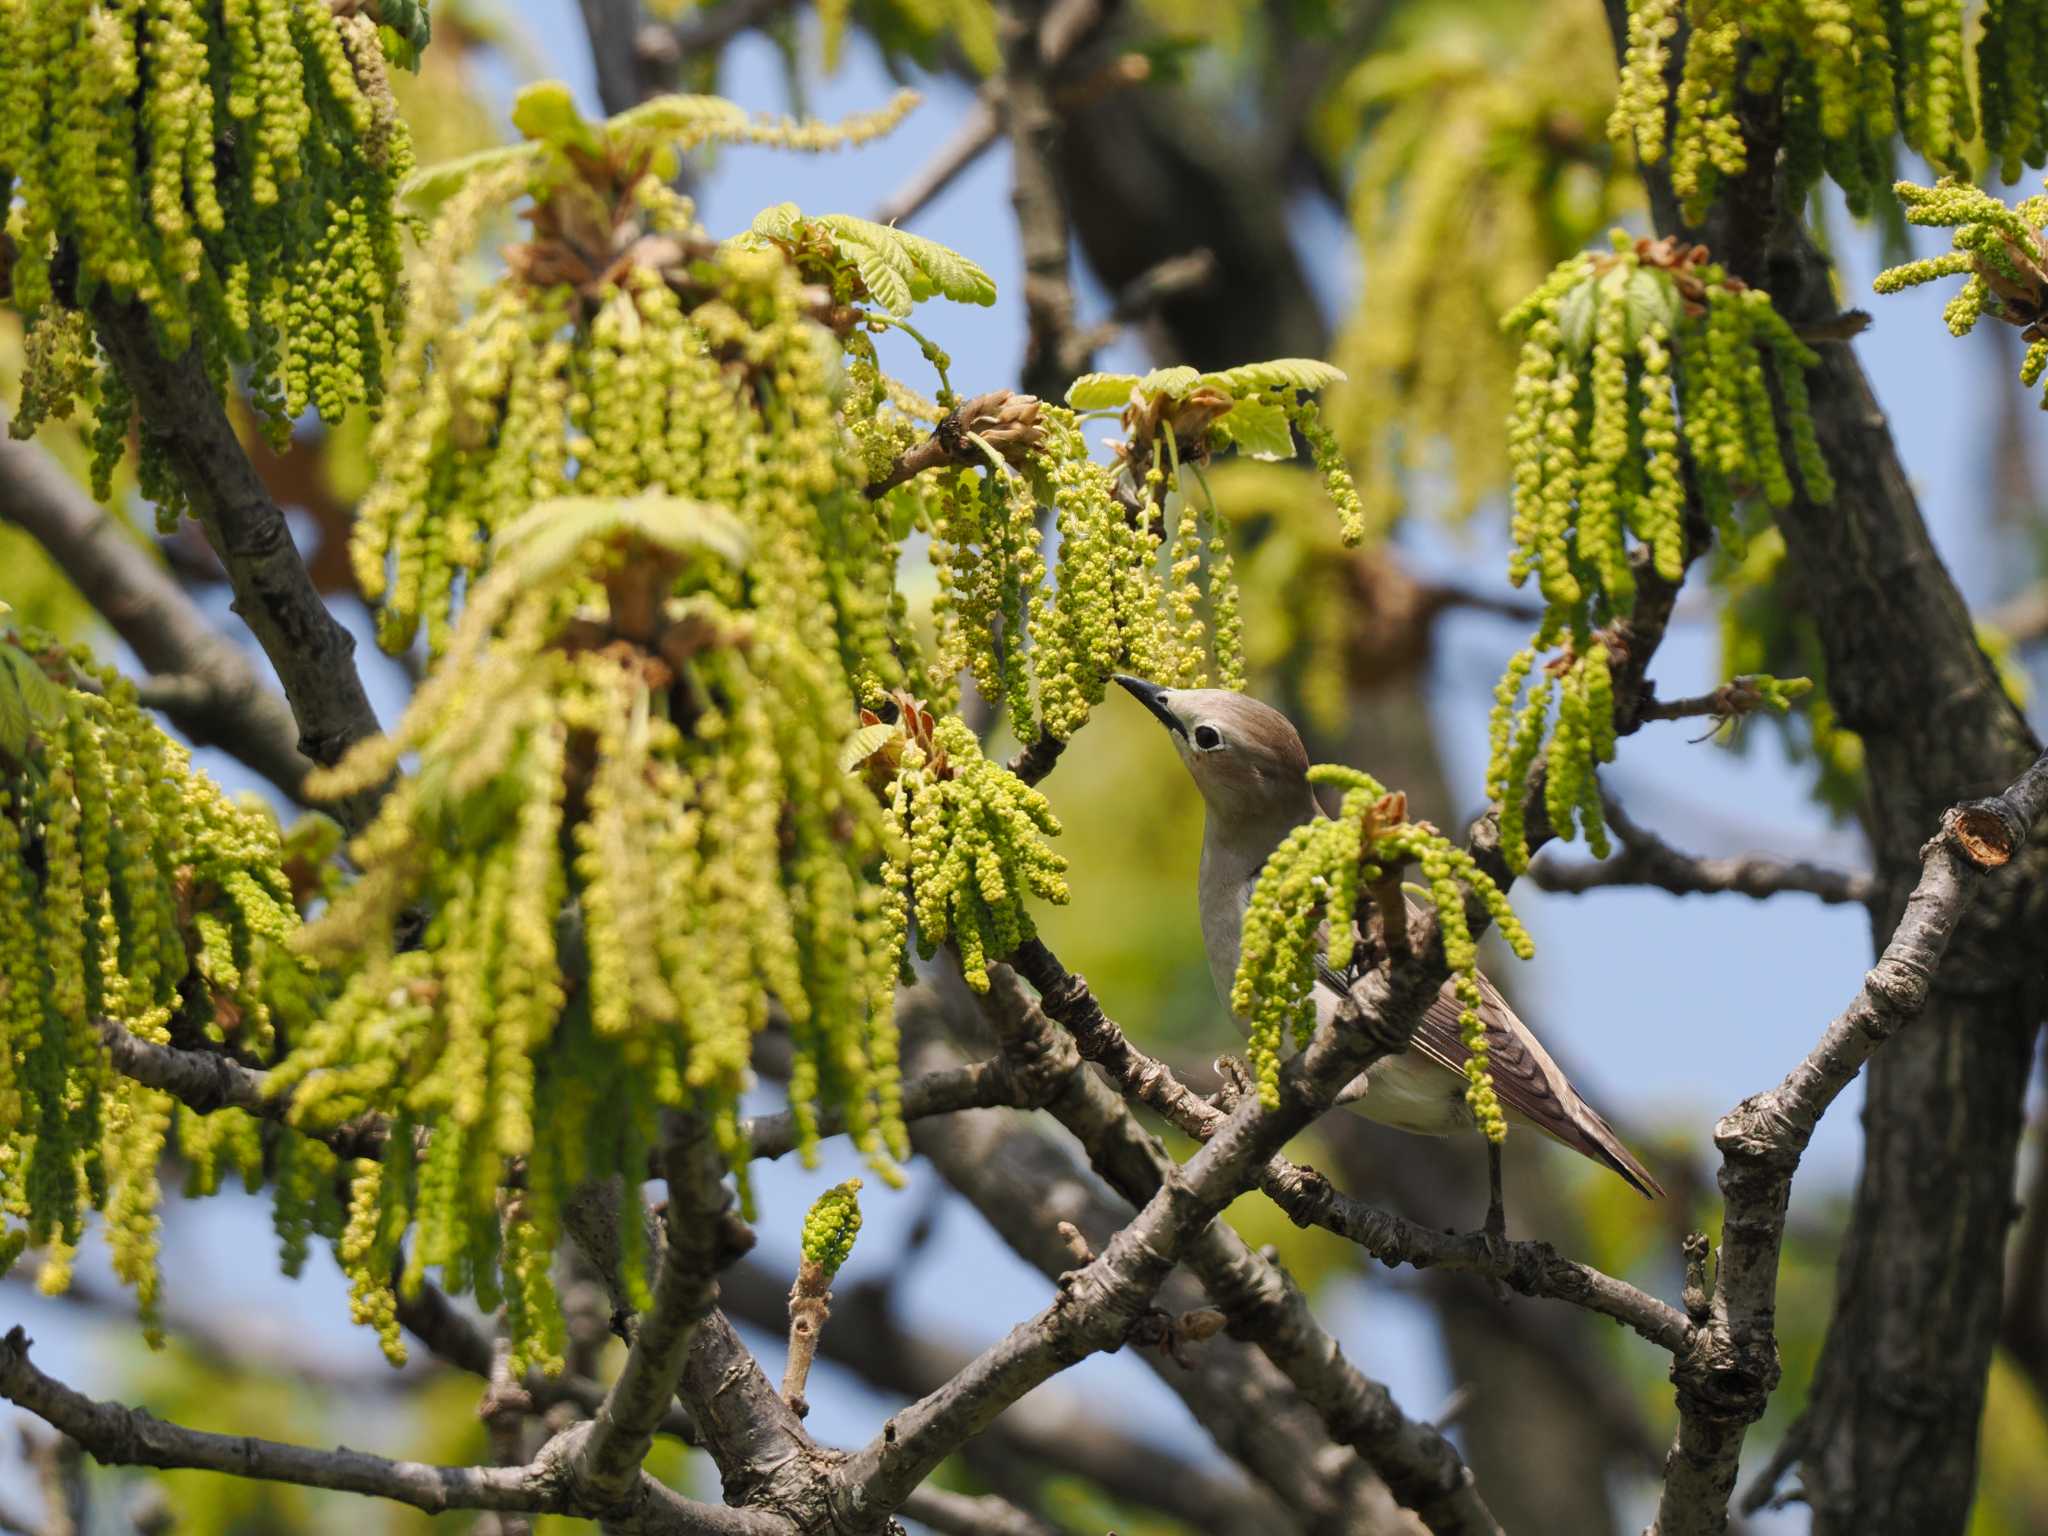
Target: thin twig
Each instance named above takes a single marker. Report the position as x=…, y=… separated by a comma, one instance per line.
x=961, y=1514
x=1647, y=860
x=974, y=137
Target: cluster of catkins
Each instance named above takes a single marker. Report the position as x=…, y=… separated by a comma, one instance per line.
x=1847, y=75
x=2001, y=252
x=1621, y=354
x=1305, y=916
x=1143, y=576
x=1475, y=174
x=970, y=836
x=134, y=896
x=231, y=167
x=630, y=830
x=656, y=473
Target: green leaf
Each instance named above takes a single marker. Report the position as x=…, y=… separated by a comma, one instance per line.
x=973, y=28
x=1280, y=373
x=779, y=222
x=952, y=274
x=409, y=20
x=888, y=281
x=864, y=744
x=1175, y=382
x=923, y=264
x=551, y=533
x=427, y=188
x=1652, y=300
x=545, y=112
x=29, y=701
x=1575, y=313
x=1101, y=391
x=1259, y=430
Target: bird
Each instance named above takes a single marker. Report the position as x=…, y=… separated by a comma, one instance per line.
x=1248, y=761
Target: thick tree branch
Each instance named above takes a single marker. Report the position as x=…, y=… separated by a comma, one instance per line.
x=1106, y=1300
x=313, y=655
x=1048, y=1431
x=1309, y=1199
x=1647, y=860
x=703, y=1236
x=1727, y=1374
x=220, y=700
x=1025, y=1184
x=120, y=1436
x=1050, y=356
x=1260, y=1299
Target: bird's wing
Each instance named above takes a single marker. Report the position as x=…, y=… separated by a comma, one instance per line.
x=1525, y=1079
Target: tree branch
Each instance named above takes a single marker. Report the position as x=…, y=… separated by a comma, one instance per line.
x=120, y=1436
x=959, y=1514
x=973, y=137
x=1646, y=859
x=1048, y=1431
x=1107, y=1299
x=206, y=1081
x=313, y=655
x=971, y=1085
x=1260, y=1299
x=1025, y=1184
x=220, y=701
x=1726, y=1376
x=703, y=1236
x=1309, y=1199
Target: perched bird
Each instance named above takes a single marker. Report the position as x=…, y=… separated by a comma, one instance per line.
x=1248, y=761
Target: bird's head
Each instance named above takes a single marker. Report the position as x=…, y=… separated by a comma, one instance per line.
x=1245, y=757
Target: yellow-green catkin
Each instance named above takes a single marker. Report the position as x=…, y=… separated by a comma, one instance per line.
x=1315, y=895
x=230, y=167
x=134, y=896
x=1640, y=367
x=1478, y=167
x=830, y=1226
x=969, y=850
x=1845, y=76
x=2001, y=253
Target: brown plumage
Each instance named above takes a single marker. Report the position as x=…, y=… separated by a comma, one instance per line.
x=1248, y=761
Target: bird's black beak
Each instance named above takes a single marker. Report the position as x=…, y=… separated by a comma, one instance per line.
x=1153, y=697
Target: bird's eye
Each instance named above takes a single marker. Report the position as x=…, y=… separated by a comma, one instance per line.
x=1208, y=738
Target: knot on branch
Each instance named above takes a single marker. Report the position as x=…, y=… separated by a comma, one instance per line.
x=1759, y=1132
x=1724, y=1377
